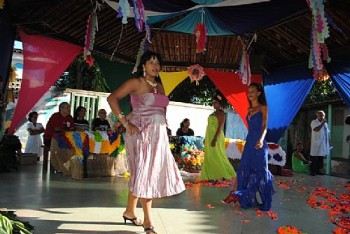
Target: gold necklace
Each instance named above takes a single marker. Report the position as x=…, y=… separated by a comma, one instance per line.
x=153, y=84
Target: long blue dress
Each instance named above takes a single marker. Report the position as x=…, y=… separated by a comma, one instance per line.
x=253, y=174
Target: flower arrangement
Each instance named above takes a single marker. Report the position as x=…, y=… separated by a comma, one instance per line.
x=191, y=159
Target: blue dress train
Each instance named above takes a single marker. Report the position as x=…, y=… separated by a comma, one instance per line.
x=253, y=174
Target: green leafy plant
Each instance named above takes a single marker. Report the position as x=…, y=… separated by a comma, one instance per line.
x=9, y=224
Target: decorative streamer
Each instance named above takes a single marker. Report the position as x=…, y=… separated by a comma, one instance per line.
x=201, y=37
x=319, y=33
x=124, y=11
x=116, y=47
x=244, y=72
x=92, y=27
x=140, y=19
x=142, y=49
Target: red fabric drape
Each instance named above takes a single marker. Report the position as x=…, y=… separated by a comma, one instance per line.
x=229, y=84
x=45, y=59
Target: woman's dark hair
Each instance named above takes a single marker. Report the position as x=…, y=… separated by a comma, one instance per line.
x=144, y=58
x=220, y=99
x=183, y=121
x=261, y=97
x=31, y=114
x=79, y=108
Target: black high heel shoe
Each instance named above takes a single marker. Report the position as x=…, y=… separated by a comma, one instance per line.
x=134, y=220
x=230, y=198
x=150, y=230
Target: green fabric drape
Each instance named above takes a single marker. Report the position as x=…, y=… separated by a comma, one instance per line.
x=115, y=75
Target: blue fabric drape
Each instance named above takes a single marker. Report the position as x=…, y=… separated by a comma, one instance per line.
x=248, y=18
x=339, y=70
x=7, y=39
x=188, y=24
x=286, y=91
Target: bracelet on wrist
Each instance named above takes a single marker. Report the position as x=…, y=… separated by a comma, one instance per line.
x=121, y=115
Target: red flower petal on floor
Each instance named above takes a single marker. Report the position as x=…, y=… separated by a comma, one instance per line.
x=239, y=213
x=259, y=213
x=245, y=221
x=288, y=230
x=210, y=206
x=272, y=215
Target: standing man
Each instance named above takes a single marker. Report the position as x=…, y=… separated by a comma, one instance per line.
x=320, y=143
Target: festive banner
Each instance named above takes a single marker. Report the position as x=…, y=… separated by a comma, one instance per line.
x=172, y=79
x=232, y=88
x=45, y=59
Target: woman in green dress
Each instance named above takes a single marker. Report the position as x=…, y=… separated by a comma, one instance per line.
x=216, y=165
x=299, y=163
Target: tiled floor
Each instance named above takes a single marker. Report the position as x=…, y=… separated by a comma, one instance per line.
x=58, y=204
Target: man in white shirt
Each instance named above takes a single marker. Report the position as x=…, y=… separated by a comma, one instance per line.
x=320, y=144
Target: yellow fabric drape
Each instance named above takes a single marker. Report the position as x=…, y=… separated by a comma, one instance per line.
x=172, y=79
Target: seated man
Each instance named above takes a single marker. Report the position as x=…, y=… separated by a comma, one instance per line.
x=59, y=122
x=299, y=163
x=101, y=123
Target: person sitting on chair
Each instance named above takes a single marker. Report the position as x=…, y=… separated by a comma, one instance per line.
x=299, y=163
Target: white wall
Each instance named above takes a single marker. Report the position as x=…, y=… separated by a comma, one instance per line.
x=197, y=114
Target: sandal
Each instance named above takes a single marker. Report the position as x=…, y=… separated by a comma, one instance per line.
x=150, y=230
x=134, y=220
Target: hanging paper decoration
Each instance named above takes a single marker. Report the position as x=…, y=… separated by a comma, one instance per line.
x=124, y=11
x=142, y=49
x=319, y=33
x=2, y=4
x=244, y=72
x=92, y=27
x=140, y=19
x=201, y=37
x=196, y=73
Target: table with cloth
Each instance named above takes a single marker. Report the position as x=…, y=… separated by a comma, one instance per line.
x=82, y=154
x=189, y=155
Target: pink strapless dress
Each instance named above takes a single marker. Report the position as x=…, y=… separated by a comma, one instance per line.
x=153, y=170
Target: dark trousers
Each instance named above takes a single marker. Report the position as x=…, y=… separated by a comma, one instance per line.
x=316, y=164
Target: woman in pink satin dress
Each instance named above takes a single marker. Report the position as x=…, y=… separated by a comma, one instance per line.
x=153, y=170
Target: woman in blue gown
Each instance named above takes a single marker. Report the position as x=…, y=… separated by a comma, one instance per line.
x=253, y=175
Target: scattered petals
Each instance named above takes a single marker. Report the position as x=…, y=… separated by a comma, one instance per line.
x=289, y=230
x=245, y=221
x=239, y=213
x=210, y=206
x=259, y=213
x=272, y=215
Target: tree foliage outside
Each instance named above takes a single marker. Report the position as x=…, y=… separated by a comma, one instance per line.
x=80, y=75
x=189, y=92
x=322, y=91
